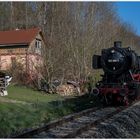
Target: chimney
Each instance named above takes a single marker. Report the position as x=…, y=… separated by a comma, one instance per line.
x=118, y=44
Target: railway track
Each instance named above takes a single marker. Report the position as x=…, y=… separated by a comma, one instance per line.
x=124, y=124
x=72, y=125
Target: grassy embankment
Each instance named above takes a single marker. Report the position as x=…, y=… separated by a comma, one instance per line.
x=24, y=108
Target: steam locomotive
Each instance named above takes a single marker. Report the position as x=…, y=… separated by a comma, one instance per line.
x=120, y=83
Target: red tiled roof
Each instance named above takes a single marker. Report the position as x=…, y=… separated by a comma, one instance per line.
x=21, y=36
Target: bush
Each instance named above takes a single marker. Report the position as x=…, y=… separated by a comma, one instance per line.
x=18, y=73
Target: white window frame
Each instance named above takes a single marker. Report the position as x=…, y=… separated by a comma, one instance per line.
x=38, y=46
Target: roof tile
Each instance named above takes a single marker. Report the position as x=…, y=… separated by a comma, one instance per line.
x=21, y=36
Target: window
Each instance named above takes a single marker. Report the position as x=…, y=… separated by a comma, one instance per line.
x=38, y=46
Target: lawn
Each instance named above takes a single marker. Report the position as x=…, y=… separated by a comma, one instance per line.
x=24, y=108
x=29, y=95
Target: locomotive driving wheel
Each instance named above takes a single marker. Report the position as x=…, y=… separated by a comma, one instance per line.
x=108, y=99
x=137, y=92
x=135, y=95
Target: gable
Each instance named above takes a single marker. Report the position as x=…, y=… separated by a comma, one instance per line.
x=33, y=45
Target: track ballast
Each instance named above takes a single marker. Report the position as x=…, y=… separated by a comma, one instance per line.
x=72, y=125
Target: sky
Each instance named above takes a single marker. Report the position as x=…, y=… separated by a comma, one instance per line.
x=130, y=12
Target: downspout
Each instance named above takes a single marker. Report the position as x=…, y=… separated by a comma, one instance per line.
x=27, y=64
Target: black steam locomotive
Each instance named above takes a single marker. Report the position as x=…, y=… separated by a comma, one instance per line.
x=120, y=82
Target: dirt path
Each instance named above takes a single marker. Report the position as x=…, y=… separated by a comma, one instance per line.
x=6, y=100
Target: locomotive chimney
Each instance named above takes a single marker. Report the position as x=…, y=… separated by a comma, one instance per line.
x=118, y=44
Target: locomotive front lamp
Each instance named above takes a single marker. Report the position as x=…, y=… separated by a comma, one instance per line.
x=124, y=83
x=112, y=51
x=98, y=84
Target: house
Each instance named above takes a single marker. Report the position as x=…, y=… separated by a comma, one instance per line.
x=23, y=46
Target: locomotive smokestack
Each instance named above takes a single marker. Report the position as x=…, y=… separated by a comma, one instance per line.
x=118, y=44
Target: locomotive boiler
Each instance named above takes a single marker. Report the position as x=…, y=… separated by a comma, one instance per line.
x=120, y=83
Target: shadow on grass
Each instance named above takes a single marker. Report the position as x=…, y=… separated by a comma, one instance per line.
x=57, y=109
x=17, y=117
x=78, y=103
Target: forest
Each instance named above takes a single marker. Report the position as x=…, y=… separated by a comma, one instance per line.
x=73, y=31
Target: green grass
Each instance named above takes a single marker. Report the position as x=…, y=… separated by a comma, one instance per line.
x=29, y=95
x=15, y=116
x=39, y=108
